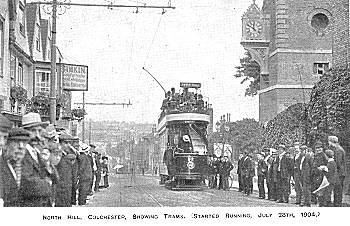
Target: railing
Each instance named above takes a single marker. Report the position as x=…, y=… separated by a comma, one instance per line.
x=182, y=110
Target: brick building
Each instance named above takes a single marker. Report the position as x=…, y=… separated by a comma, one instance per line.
x=341, y=28
x=25, y=55
x=292, y=42
x=4, y=54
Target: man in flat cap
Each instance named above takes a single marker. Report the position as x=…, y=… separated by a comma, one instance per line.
x=247, y=173
x=5, y=126
x=68, y=168
x=105, y=171
x=239, y=172
x=261, y=171
x=271, y=186
x=11, y=168
x=298, y=154
x=98, y=171
x=84, y=174
x=332, y=175
x=224, y=172
x=319, y=159
x=305, y=170
x=339, y=158
x=284, y=173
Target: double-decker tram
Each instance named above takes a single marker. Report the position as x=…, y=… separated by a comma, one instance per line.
x=182, y=127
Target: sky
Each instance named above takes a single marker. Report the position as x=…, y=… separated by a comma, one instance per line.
x=199, y=41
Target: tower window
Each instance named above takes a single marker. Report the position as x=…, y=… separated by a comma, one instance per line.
x=319, y=21
x=320, y=68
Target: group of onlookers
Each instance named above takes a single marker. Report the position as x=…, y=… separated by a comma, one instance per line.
x=219, y=172
x=43, y=166
x=315, y=173
x=184, y=101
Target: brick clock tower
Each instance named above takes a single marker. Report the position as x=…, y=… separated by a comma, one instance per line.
x=292, y=43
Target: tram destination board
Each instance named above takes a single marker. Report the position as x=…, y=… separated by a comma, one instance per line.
x=190, y=85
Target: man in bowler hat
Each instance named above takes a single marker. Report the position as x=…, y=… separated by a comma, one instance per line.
x=11, y=168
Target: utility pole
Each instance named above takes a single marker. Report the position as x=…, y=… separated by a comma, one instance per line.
x=53, y=65
x=83, y=121
x=55, y=4
x=90, y=132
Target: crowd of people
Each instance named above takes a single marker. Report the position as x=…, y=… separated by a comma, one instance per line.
x=183, y=102
x=219, y=172
x=44, y=166
x=315, y=173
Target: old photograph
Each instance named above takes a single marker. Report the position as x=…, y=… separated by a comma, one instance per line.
x=175, y=103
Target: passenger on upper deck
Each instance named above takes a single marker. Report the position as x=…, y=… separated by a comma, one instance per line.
x=183, y=102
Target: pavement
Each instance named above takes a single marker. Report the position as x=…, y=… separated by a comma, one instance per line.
x=346, y=197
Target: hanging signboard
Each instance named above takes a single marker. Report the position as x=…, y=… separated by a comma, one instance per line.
x=74, y=77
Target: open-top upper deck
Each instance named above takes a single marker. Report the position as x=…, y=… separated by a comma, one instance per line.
x=187, y=104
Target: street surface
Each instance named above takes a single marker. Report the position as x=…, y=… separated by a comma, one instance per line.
x=146, y=192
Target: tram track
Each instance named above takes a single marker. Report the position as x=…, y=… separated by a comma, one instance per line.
x=151, y=196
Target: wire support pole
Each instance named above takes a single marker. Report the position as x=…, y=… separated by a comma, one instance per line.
x=53, y=66
x=104, y=5
x=154, y=79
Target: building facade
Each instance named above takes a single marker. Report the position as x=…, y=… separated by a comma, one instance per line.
x=292, y=43
x=4, y=55
x=25, y=58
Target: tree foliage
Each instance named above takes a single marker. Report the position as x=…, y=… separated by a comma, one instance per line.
x=290, y=125
x=243, y=135
x=78, y=114
x=249, y=70
x=329, y=106
x=19, y=94
x=246, y=135
x=39, y=103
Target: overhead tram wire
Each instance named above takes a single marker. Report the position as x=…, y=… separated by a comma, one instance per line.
x=132, y=46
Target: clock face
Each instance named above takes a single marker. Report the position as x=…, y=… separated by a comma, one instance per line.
x=253, y=28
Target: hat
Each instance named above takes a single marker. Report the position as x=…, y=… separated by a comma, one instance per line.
x=84, y=147
x=5, y=124
x=273, y=151
x=54, y=147
x=318, y=144
x=32, y=119
x=282, y=146
x=75, y=139
x=333, y=139
x=71, y=156
x=50, y=129
x=18, y=134
x=65, y=137
x=46, y=135
x=303, y=147
x=329, y=153
x=104, y=157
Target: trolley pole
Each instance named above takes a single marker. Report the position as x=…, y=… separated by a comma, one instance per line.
x=53, y=65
